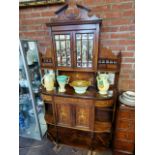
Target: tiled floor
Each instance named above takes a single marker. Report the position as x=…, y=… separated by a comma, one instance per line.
x=45, y=147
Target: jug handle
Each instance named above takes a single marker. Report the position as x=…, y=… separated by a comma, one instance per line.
x=42, y=81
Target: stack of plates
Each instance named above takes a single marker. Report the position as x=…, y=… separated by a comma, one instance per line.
x=128, y=98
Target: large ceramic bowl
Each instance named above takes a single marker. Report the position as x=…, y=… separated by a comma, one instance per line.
x=80, y=86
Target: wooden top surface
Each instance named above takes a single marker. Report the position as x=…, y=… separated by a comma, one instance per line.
x=91, y=93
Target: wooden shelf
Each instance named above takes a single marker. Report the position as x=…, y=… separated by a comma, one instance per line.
x=49, y=118
x=103, y=126
x=108, y=70
x=91, y=93
x=99, y=127
x=71, y=69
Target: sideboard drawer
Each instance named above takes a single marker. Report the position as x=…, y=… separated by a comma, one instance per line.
x=47, y=98
x=65, y=100
x=104, y=103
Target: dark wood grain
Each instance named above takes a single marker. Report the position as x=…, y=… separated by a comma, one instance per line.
x=82, y=120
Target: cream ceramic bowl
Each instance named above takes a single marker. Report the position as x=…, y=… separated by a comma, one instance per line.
x=80, y=86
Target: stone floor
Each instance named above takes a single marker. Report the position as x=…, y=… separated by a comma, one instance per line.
x=45, y=147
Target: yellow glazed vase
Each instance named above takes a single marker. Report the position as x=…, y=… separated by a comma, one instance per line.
x=102, y=83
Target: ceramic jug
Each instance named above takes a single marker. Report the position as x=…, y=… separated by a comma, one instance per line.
x=48, y=80
x=62, y=80
x=102, y=83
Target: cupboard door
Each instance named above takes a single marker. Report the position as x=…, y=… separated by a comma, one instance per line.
x=83, y=116
x=84, y=49
x=63, y=114
x=63, y=49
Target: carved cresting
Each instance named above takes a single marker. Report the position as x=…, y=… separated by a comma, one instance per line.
x=73, y=10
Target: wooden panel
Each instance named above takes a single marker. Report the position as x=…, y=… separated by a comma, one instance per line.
x=74, y=27
x=49, y=117
x=103, y=126
x=104, y=103
x=46, y=57
x=124, y=136
x=83, y=116
x=124, y=146
x=74, y=101
x=64, y=100
x=47, y=98
x=103, y=114
x=63, y=114
x=80, y=76
x=81, y=139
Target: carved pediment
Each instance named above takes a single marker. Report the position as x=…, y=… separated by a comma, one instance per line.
x=73, y=12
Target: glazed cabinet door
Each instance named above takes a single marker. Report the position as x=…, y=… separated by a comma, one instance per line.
x=63, y=112
x=63, y=48
x=85, y=55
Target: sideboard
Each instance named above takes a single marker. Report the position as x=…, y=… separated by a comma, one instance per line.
x=82, y=120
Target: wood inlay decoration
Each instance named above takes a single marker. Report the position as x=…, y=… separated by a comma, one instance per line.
x=82, y=117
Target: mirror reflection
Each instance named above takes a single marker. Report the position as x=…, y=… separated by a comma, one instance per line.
x=63, y=50
x=84, y=49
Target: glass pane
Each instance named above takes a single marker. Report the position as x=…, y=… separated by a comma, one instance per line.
x=30, y=81
x=90, y=53
x=57, y=45
x=111, y=78
x=56, y=37
x=84, y=48
x=67, y=36
x=78, y=50
x=84, y=53
x=62, y=37
x=63, y=50
x=91, y=36
x=84, y=36
x=78, y=36
x=68, y=44
x=62, y=44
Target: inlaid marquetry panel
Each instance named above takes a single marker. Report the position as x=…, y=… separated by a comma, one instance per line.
x=63, y=114
x=83, y=116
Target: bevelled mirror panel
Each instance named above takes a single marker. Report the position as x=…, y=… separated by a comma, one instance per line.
x=84, y=50
x=63, y=50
